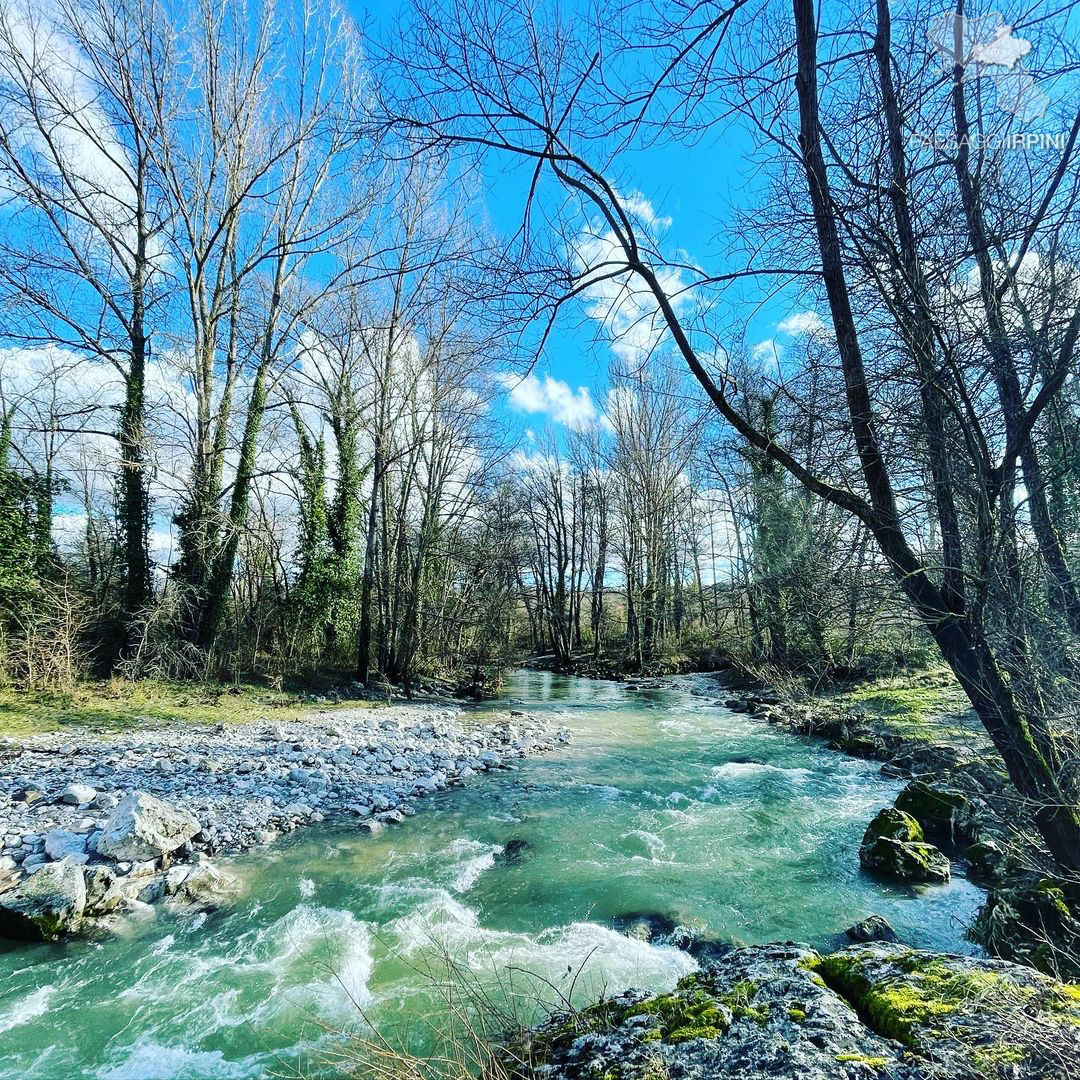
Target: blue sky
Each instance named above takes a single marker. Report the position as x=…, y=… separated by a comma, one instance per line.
x=695, y=187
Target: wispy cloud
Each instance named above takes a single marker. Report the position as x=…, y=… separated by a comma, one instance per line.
x=617, y=299
x=802, y=322
x=553, y=397
x=767, y=353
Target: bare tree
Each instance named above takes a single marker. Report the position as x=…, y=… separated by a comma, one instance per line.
x=82, y=256
x=563, y=100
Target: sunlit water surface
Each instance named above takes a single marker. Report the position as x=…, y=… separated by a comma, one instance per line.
x=663, y=803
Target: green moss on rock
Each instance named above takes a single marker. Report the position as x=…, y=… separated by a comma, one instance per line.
x=992, y=1060
x=938, y=810
x=894, y=824
x=863, y=1059
x=926, y=991
x=1032, y=923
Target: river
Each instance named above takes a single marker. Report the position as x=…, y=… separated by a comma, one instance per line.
x=663, y=803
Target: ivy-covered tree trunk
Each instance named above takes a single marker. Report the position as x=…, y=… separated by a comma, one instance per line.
x=18, y=572
x=363, y=636
x=134, y=501
x=219, y=593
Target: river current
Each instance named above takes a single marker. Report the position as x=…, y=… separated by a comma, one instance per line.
x=664, y=803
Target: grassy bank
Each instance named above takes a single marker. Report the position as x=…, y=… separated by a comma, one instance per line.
x=117, y=705
x=924, y=705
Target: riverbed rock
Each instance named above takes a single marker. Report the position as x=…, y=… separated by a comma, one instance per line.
x=943, y=812
x=767, y=1012
x=893, y=846
x=989, y=860
x=76, y=794
x=872, y=928
x=970, y=1017
x=142, y=827
x=101, y=893
x=514, y=851
x=207, y=885
x=46, y=905
x=60, y=843
x=1035, y=921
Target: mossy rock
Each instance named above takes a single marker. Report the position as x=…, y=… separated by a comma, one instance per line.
x=905, y=861
x=765, y=1011
x=995, y=1019
x=1033, y=923
x=46, y=905
x=893, y=1007
x=893, y=824
x=893, y=846
x=989, y=860
x=942, y=812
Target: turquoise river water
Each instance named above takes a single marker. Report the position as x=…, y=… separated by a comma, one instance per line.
x=663, y=803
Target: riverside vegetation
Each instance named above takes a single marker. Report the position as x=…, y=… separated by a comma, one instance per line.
x=265, y=356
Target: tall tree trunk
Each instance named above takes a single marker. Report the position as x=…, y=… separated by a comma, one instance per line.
x=597, y=610
x=134, y=499
x=363, y=635
x=962, y=644
x=1062, y=592
x=219, y=592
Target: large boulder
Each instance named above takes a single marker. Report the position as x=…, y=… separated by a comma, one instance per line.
x=46, y=905
x=944, y=813
x=970, y=1017
x=1036, y=922
x=142, y=827
x=62, y=843
x=766, y=1012
x=893, y=845
x=207, y=885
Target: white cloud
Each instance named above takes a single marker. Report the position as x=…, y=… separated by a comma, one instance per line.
x=41, y=52
x=637, y=206
x=767, y=353
x=801, y=322
x=622, y=304
x=574, y=408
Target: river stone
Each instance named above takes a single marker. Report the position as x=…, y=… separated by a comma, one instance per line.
x=893, y=824
x=46, y=905
x=78, y=794
x=142, y=827
x=515, y=850
x=872, y=928
x=906, y=861
x=60, y=843
x=101, y=893
x=942, y=812
x=1019, y=921
x=207, y=885
x=893, y=846
x=989, y=860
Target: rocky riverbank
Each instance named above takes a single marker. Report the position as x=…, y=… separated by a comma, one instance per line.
x=958, y=807
x=93, y=827
x=877, y=1010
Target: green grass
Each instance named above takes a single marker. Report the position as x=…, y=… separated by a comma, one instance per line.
x=914, y=702
x=120, y=705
